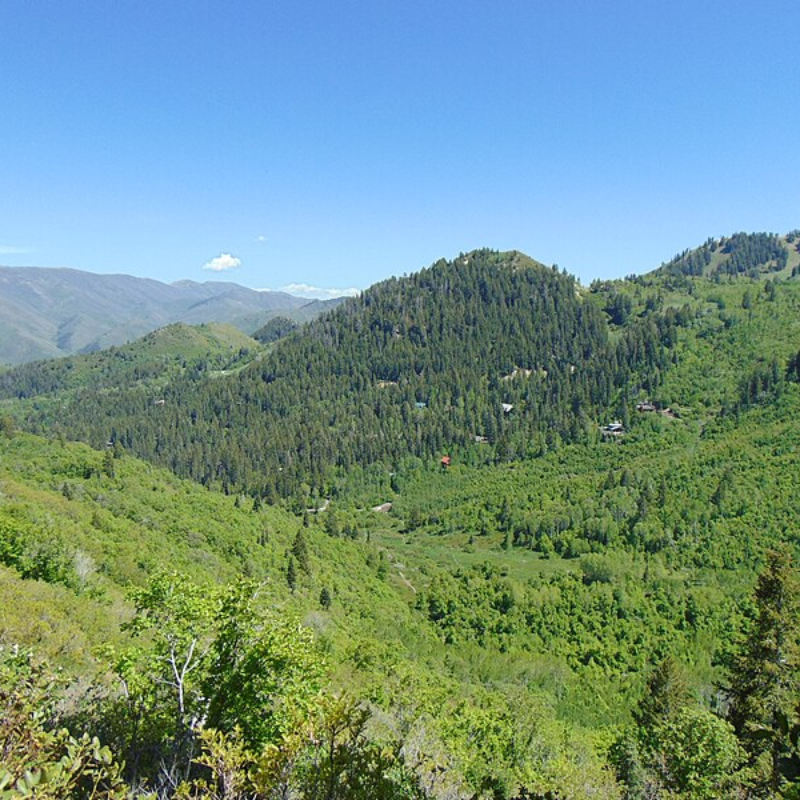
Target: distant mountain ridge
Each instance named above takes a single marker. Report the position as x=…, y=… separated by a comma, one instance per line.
x=54, y=312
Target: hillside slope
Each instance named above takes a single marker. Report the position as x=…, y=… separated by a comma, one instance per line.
x=151, y=362
x=490, y=347
x=84, y=533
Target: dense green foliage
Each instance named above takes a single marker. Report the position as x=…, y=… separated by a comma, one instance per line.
x=490, y=346
x=562, y=610
x=765, y=678
x=36, y=758
x=115, y=531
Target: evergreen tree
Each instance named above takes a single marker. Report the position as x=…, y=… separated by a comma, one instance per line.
x=332, y=524
x=665, y=694
x=108, y=463
x=291, y=575
x=325, y=598
x=300, y=552
x=765, y=676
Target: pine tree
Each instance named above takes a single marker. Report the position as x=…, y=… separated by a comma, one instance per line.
x=291, y=575
x=300, y=552
x=325, y=598
x=666, y=693
x=765, y=675
x=108, y=463
x=332, y=524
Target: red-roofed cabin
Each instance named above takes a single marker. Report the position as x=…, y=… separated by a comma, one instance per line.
x=445, y=462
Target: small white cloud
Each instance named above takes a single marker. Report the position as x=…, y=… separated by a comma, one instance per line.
x=318, y=293
x=10, y=250
x=223, y=262
x=261, y=238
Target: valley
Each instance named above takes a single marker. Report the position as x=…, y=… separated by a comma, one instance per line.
x=581, y=581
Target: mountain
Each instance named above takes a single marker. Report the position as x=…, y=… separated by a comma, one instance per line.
x=489, y=347
x=46, y=313
x=579, y=601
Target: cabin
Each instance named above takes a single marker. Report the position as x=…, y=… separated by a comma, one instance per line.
x=646, y=408
x=615, y=428
x=420, y=405
x=445, y=462
x=507, y=407
x=482, y=440
x=383, y=508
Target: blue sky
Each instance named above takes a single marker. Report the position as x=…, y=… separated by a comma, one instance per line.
x=334, y=143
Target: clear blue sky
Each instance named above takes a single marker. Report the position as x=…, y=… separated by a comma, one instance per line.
x=337, y=143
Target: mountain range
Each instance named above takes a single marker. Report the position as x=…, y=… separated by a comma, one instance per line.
x=47, y=313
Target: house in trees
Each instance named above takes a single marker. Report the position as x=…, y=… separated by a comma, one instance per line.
x=615, y=428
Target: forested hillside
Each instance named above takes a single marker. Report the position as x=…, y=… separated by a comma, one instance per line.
x=539, y=650
x=751, y=254
x=489, y=348
x=154, y=360
x=595, y=594
x=113, y=569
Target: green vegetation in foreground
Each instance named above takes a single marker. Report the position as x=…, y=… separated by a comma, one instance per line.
x=83, y=533
x=519, y=640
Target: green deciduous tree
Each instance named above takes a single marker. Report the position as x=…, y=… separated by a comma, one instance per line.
x=700, y=755
x=162, y=679
x=7, y=427
x=265, y=673
x=209, y=658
